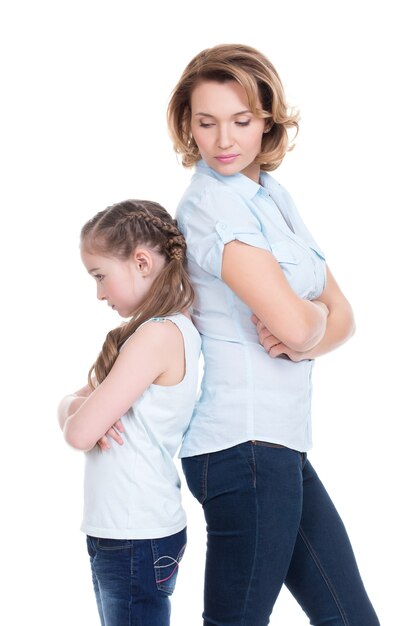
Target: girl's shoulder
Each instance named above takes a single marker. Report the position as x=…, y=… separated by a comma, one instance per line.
x=168, y=329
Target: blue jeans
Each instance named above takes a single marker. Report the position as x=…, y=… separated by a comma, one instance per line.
x=133, y=578
x=270, y=521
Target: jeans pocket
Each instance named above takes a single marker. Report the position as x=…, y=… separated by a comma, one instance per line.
x=167, y=553
x=195, y=469
x=266, y=444
x=113, y=544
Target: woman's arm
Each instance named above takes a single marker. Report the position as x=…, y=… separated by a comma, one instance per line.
x=340, y=326
x=145, y=357
x=257, y=279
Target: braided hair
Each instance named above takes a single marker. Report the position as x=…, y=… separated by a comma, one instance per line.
x=117, y=231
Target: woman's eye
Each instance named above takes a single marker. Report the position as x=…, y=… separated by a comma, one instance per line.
x=206, y=124
x=246, y=123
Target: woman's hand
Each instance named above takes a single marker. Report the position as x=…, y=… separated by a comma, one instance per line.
x=273, y=346
x=299, y=323
x=340, y=326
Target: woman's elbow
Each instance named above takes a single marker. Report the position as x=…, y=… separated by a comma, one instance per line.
x=305, y=333
x=305, y=338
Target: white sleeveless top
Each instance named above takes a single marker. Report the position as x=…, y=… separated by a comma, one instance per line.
x=132, y=491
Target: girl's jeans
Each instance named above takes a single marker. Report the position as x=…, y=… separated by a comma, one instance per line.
x=133, y=579
x=269, y=521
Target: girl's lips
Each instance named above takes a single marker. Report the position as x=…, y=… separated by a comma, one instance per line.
x=226, y=158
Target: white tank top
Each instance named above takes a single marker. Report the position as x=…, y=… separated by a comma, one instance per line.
x=132, y=491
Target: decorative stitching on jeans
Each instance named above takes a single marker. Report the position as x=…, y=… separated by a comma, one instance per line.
x=169, y=562
x=324, y=576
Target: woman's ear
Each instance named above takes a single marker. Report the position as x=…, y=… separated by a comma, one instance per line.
x=268, y=125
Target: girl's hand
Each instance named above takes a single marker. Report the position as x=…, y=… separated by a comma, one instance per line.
x=112, y=433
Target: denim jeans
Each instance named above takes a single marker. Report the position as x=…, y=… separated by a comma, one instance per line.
x=270, y=521
x=133, y=578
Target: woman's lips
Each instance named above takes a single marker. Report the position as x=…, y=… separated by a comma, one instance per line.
x=226, y=158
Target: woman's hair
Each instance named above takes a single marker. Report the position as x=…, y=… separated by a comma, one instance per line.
x=116, y=232
x=254, y=72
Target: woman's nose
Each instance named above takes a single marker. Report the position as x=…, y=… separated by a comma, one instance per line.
x=225, y=139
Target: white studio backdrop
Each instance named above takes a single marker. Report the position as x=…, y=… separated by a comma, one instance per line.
x=85, y=88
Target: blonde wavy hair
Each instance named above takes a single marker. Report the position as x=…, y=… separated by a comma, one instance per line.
x=116, y=232
x=260, y=80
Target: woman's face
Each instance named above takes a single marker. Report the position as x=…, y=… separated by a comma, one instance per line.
x=226, y=132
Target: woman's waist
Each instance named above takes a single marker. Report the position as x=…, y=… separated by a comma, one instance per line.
x=248, y=361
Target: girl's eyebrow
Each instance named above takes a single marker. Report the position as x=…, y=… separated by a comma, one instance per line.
x=209, y=115
x=94, y=269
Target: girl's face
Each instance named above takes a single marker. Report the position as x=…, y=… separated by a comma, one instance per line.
x=226, y=132
x=124, y=285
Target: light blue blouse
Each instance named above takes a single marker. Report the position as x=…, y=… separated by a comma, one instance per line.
x=245, y=394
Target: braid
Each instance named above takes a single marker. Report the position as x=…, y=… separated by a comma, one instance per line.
x=175, y=245
x=117, y=231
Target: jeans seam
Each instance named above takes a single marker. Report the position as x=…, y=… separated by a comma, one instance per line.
x=324, y=575
x=257, y=527
x=204, y=480
x=131, y=584
x=254, y=469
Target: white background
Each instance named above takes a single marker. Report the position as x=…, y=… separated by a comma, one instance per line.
x=85, y=86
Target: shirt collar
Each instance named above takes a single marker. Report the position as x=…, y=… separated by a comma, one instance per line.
x=239, y=182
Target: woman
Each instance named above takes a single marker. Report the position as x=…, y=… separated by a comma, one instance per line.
x=259, y=277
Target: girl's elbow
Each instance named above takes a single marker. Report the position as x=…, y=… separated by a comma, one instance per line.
x=351, y=327
x=77, y=439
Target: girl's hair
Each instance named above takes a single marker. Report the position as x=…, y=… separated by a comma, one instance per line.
x=116, y=232
x=254, y=72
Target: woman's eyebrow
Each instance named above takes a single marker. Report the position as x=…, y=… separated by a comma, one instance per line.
x=209, y=114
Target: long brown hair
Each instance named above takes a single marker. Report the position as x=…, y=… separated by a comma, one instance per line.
x=116, y=232
x=256, y=74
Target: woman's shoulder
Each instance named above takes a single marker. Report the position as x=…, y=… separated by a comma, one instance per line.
x=208, y=199
x=203, y=186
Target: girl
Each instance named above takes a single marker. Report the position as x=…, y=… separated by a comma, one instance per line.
x=146, y=374
x=260, y=278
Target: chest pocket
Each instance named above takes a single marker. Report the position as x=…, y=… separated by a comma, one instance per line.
x=301, y=267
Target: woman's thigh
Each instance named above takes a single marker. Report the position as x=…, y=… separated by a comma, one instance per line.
x=133, y=579
x=323, y=575
x=252, y=499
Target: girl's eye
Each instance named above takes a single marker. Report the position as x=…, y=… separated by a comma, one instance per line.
x=99, y=277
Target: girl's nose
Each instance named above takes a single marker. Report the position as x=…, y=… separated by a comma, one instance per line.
x=100, y=295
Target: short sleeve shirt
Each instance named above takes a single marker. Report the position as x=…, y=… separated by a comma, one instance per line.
x=245, y=394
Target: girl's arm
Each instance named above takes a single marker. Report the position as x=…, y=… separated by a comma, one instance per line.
x=340, y=326
x=146, y=356
x=257, y=279
x=69, y=404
